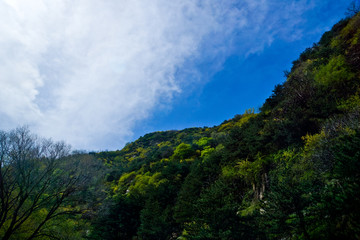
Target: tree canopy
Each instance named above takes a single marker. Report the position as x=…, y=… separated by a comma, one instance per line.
x=290, y=170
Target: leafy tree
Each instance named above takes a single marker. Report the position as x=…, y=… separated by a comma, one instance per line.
x=39, y=183
x=290, y=171
x=183, y=151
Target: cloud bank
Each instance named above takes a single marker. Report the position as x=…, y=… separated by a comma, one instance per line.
x=86, y=71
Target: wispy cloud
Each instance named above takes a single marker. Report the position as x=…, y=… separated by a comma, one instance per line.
x=85, y=71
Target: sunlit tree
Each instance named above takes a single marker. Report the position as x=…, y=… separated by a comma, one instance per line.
x=39, y=183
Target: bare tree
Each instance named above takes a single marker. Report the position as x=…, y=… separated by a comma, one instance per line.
x=39, y=182
x=353, y=8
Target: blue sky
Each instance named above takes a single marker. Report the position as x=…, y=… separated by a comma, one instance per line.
x=98, y=74
x=245, y=81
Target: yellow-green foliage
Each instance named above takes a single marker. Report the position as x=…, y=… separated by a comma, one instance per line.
x=67, y=228
x=335, y=72
x=207, y=151
x=139, y=152
x=245, y=118
x=143, y=181
x=317, y=141
x=126, y=178
x=250, y=210
x=182, y=151
x=355, y=39
x=250, y=171
x=226, y=126
x=350, y=104
x=142, y=152
x=164, y=160
x=202, y=141
x=351, y=32
x=313, y=141
x=302, y=70
x=230, y=172
x=62, y=228
x=289, y=160
x=255, y=170
x=164, y=144
x=249, y=113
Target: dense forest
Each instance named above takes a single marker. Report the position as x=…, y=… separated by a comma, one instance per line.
x=290, y=170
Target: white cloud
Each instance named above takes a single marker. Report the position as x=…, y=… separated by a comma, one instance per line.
x=85, y=71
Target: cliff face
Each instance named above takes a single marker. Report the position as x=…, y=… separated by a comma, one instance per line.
x=290, y=171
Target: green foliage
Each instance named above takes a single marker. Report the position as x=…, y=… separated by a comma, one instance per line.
x=238, y=120
x=154, y=224
x=335, y=74
x=350, y=104
x=204, y=141
x=183, y=151
x=45, y=192
x=289, y=171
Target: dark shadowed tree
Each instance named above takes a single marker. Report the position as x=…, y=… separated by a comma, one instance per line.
x=39, y=183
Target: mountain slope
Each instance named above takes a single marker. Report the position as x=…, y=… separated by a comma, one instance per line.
x=290, y=171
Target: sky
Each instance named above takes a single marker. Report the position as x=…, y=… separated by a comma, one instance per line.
x=98, y=74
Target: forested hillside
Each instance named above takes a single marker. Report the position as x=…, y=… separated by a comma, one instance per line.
x=290, y=170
